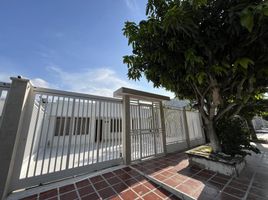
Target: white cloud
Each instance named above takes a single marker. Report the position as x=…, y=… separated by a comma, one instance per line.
x=102, y=81
x=132, y=4
x=38, y=82
x=4, y=77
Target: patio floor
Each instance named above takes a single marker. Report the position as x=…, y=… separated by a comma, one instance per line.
x=168, y=177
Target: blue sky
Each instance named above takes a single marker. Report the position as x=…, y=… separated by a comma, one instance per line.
x=74, y=45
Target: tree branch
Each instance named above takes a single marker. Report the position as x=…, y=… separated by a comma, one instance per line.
x=228, y=108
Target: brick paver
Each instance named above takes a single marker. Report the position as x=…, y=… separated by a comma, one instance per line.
x=167, y=178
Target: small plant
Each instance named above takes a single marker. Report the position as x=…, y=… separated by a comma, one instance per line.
x=235, y=137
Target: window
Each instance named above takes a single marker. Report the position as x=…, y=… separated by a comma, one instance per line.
x=81, y=125
x=63, y=124
x=98, y=129
x=60, y=126
x=116, y=125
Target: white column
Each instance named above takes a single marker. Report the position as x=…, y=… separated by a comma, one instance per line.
x=186, y=128
x=11, y=132
x=202, y=129
x=162, y=116
x=126, y=130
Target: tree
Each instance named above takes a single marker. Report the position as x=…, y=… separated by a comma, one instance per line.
x=256, y=106
x=213, y=52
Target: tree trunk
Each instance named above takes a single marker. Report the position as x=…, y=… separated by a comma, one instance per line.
x=214, y=140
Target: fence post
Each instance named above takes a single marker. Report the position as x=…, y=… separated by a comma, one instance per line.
x=126, y=130
x=162, y=116
x=10, y=131
x=202, y=128
x=187, y=137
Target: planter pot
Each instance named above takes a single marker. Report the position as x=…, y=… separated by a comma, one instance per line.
x=231, y=166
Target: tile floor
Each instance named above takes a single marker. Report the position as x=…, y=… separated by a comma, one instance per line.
x=125, y=183
x=169, y=177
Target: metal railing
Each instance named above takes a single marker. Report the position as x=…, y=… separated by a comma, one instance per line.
x=61, y=134
x=194, y=125
x=182, y=127
x=70, y=130
x=146, y=131
x=4, y=88
x=175, y=127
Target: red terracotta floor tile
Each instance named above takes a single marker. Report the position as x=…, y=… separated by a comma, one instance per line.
x=131, y=182
x=32, y=197
x=224, y=196
x=151, y=185
x=69, y=196
x=92, y=196
x=66, y=188
x=127, y=169
x=166, y=174
x=141, y=189
x=215, y=185
x=162, y=192
x=85, y=190
x=186, y=188
x=206, y=191
x=234, y=192
x=128, y=195
x=108, y=175
x=200, y=178
x=48, y=194
x=172, y=183
x=82, y=183
x=194, y=183
x=117, y=197
x=113, y=180
x=96, y=179
x=209, y=172
x=120, y=187
x=107, y=193
x=124, y=176
x=219, y=180
x=151, y=196
x=173, y=197
x=100, y=185
x=140, y=178
x=238, y=185
x=223, y=176
x=133, y=173
x=118, y=172
x=160, y=177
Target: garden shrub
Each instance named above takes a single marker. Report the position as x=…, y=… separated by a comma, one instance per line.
x=234, y=136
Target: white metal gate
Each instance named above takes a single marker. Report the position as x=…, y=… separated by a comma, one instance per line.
x=69, y=134
x=146, y=132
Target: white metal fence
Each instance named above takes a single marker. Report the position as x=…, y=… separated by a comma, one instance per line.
x=194, y=125
x=64, y=133
x=183, y=128
x=146, y=131
x=4, y=88
x=175, y=126
x=69, y=130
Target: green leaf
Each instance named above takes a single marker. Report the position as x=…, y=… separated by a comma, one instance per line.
x=219, y=70
x=201, y=77
x=247, y=19
x=244, y=62
x=265, y=11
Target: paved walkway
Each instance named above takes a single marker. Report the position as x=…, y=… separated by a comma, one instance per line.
x=168, y=177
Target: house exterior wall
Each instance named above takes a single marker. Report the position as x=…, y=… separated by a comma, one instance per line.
x=60, y=109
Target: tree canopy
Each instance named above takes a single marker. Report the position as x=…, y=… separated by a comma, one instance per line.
x=214, y=52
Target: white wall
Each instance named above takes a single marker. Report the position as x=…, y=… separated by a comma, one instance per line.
x=54, y=110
